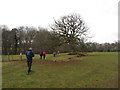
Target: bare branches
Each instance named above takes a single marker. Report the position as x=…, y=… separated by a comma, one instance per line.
x=70, y=29
x=71, y=26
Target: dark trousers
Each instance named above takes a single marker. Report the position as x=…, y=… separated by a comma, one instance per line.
x=40, y=56
x=44, y=56
x=53, y=55
x=29, y=63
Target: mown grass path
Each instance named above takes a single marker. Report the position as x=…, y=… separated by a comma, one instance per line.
x=99, y=70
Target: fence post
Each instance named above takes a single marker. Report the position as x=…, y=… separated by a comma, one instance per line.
x=21, y=56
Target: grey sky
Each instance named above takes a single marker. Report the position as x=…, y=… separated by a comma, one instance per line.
x=101, y=16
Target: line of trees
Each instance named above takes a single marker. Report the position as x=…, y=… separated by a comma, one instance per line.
x=66, y=35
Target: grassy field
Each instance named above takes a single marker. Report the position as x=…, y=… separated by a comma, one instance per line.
x=37, y=57
x=98, y=70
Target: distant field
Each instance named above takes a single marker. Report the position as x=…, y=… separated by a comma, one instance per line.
x=62, y=56
x=98, y=70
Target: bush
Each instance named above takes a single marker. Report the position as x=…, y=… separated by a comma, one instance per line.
x=79, y=54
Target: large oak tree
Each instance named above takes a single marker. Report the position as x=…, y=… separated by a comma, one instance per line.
x=70, y=29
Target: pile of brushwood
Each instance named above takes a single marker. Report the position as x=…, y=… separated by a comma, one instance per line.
x=79, y=54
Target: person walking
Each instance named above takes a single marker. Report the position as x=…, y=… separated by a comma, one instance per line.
x=44, y=55
x=29, y=55
x=54, y=54
x=41, y=54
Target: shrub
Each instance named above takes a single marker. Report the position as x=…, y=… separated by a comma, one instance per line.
x=79, y=54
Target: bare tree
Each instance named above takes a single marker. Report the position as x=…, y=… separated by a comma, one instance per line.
x=16, y=39
x=70, y=29
x=5, y=39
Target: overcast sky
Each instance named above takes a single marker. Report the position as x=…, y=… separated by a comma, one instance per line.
x=101, y=16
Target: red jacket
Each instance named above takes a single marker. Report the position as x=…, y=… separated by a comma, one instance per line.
x=44, y=53
x=41, y=53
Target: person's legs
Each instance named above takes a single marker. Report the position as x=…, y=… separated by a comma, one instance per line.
x=44, y=56
x=27, y=63
x=40, y=56
x=29, y=66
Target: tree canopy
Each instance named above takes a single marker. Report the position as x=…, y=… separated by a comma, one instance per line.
x=71, y=29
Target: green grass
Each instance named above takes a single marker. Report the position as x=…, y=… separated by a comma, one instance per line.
x=99, y=70
x=62, y=56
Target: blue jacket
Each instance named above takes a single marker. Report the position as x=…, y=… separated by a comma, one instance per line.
x=29, y=54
